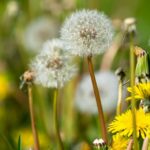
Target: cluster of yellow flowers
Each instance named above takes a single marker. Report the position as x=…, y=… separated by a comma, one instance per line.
x=122, y=125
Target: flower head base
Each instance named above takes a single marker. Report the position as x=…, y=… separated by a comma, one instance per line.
x=87, y=32
x=120, y=74
x=123, y=124
x=26, y=78
x=52, y=66
x=129, y=29
x=129, y=25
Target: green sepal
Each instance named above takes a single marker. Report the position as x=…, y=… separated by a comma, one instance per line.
x=142, y=66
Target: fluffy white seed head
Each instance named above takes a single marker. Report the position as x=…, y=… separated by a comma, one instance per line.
x=87, y=32
x=38, y=31
x=52, y=67
x=108, y=86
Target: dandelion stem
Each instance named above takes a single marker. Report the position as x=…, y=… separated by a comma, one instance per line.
x=119, y=104
x=145, y=144
x=32, y=116
x=56, y=120
x=132, y=82
x=98, y=99
x=130, y=144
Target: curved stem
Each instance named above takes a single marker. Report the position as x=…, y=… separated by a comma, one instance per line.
x=145, y=144
x=32, y=116
x=109, y=56
x=98, y=99
x=119, y=104
x=132, y=82
x=55, y=113
x=130, y=145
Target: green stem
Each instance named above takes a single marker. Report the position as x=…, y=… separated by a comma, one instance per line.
x=132, y=83
x=55, y=113
x=32, y=116
x=98, y=99
x=119, y=104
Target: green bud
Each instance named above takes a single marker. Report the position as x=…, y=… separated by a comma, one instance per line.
x=142, y=70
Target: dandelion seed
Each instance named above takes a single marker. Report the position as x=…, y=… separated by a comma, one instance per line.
x=87, y=32
x=52, y=67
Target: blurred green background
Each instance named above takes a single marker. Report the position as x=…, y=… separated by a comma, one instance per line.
x=20, y=40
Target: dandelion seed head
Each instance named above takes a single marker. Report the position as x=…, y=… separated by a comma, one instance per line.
x=38, y=31
x=52, y=67
x=12, y=8
x=129, y=24
x=87, y=32
x=108, y=86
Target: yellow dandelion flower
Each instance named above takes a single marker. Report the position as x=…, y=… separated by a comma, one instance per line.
x=123, y=124
x=27, y=138
x=141, y=91
x=4, y=86
x=119, y=142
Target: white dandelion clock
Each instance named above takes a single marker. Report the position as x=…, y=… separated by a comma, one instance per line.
x=52, y=67
x=38, y=31
x=12, y=8
x=87, y=32
x=85, y=100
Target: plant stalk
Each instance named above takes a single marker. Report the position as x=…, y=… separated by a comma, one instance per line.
x=32, y=117
x=98, y=99
x=55, y=113
x=145, y=144
x=119, y=104
x=132, y=83
x=130, y=145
